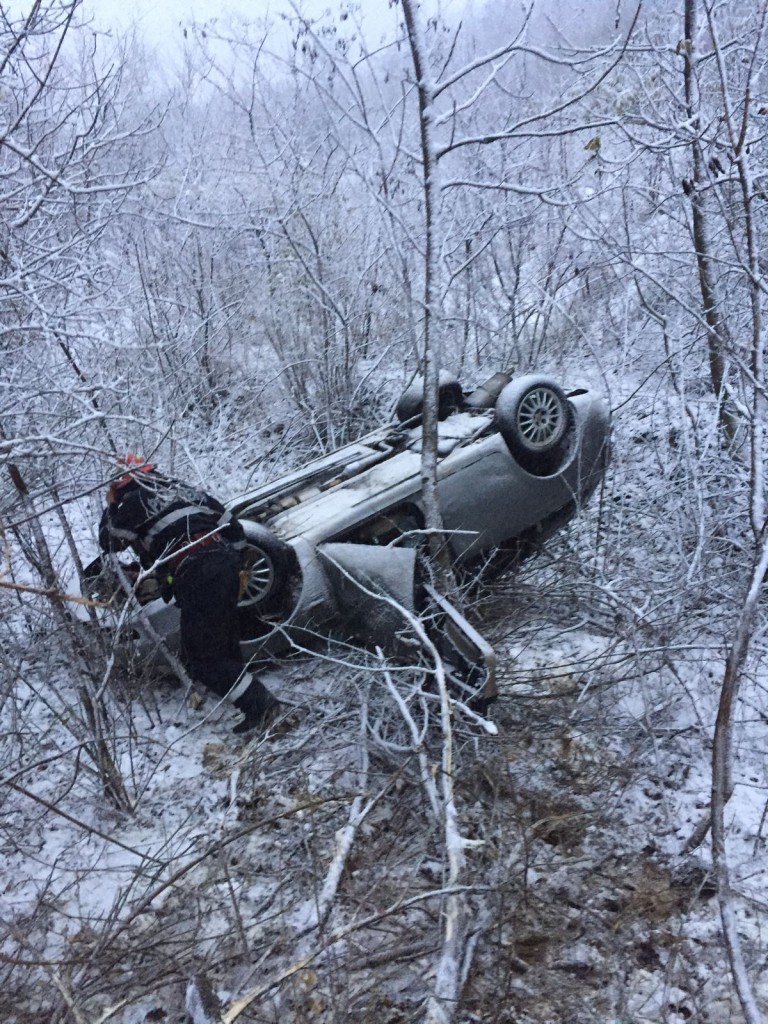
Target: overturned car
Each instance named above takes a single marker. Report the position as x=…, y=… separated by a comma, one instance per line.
x=334, y=548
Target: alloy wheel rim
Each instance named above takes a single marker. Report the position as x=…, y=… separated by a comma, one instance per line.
x=541, y=418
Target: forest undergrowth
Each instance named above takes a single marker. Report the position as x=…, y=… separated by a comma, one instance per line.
x=308, y=869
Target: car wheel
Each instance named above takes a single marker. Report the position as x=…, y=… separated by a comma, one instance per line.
x=268, y=562
x=534, y=417
x=450, y=398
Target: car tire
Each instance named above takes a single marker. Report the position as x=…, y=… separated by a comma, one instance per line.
x=450, y=398
x=534, y=417
x=269, y=563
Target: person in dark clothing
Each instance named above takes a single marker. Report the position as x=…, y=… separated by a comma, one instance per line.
x=194, y=546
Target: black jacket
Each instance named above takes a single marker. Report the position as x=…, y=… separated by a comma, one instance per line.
x=157, y=516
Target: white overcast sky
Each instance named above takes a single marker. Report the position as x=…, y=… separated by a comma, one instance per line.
x=160, y=15
x=163, y=20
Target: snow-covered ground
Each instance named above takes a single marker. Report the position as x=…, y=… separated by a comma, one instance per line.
x=585, y=901
x=306, y=875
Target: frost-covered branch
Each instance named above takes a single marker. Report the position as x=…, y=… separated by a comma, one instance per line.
x=722, y=780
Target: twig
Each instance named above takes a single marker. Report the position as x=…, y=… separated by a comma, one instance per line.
x=444, y=1000
x=52, y=592
x=239, y=1005
x=417, y=740
x=81, y=824
x=722, y=782
x=68, y=998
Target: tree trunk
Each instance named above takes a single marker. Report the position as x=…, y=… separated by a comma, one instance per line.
x=432, y=349
x=717, y=334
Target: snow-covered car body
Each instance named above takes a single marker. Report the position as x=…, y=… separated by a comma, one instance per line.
x=357, y=515
x=334, y=545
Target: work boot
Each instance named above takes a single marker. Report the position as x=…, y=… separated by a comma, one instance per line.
x=260, y=718
x=259, y=706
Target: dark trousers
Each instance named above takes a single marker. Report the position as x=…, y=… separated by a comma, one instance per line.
x=206, y=586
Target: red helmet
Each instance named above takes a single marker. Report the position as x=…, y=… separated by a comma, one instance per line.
x=128, y=466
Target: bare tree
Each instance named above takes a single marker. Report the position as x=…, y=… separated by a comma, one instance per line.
x=66, y=171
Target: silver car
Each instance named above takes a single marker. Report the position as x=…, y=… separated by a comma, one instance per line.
x=334, y=548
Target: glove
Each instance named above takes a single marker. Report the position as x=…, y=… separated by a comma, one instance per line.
x=148, y=590
x=166, y=588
